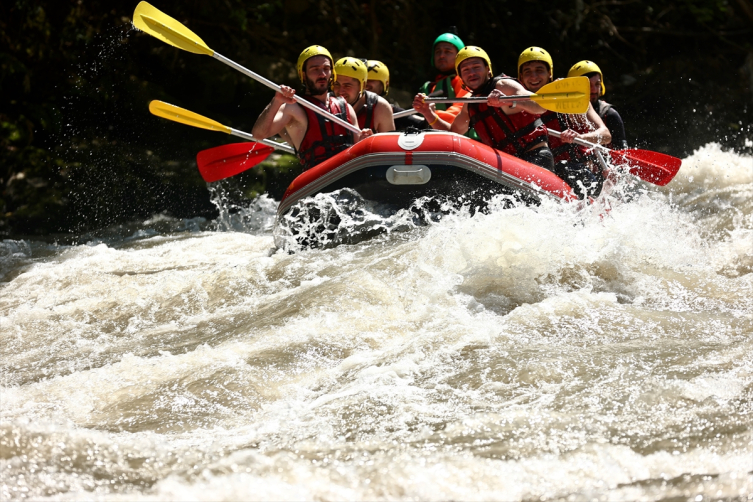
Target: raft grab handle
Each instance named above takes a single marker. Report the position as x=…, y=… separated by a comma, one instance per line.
x=408, y=175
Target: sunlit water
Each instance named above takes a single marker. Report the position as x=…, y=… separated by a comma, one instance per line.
x=529, y=353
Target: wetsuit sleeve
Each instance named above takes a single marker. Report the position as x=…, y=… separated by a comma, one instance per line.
x=615, y=125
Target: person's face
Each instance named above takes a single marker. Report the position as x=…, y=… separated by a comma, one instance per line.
x=318, y=72
x=534, y=75
x=375, y=86
x=444, y=56
x=595, y=87
x=348, y=87
x=474, y=72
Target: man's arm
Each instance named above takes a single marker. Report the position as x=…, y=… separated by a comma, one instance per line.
x=450, y=113
x=600, y=134
x=433, y=118
x=383, y=119
x=275, y=116
x=462, y=122
x=454, y=110
x=510, y=87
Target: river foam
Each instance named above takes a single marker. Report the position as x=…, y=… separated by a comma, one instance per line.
x=528, y=353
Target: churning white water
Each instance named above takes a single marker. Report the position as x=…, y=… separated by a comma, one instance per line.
x=529, y=353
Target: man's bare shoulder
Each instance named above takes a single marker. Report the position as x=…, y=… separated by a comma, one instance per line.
x=383, y=103
x=509, y=84
x=292, y=108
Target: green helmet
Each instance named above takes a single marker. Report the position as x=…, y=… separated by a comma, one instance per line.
x=450, y=38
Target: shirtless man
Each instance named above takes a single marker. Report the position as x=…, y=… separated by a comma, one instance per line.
x=373, y=111
x=315, y=138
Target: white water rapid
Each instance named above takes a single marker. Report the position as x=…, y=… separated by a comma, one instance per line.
x=532, y=353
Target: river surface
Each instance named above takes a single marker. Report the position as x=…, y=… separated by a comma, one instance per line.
x=531, y=353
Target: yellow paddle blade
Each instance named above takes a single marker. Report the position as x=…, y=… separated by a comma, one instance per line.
x=158, y=24
x=568, y=95
x=177, y=114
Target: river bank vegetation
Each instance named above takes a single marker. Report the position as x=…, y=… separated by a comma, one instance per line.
x=81, y=151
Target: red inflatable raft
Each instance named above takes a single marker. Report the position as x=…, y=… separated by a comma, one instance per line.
x=399, y=168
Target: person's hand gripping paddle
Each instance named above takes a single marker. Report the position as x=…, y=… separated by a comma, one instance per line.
x=654, y=167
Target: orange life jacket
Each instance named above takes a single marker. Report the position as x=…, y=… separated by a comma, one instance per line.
x=451, y=87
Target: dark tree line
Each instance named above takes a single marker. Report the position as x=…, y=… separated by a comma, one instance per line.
x=80, y=150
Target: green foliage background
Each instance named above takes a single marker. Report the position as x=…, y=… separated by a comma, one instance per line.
x=81, y=151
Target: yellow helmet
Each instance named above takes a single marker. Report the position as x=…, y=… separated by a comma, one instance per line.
x=586, y=66
x=353, y=68
x=535, y=54
x=379, y=71
x=310, y=52
x=471, y=51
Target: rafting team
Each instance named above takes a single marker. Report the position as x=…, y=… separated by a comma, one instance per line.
x=354, y=90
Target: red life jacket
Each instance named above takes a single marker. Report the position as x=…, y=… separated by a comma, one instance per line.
x=323, y=138
x=513, y=134
x=564, y=152
x=366, y=113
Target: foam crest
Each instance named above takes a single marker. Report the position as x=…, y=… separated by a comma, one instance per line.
x=256, y=217
x=586, y=352
x=711, y=167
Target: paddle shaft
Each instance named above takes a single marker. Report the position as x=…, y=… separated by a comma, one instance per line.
x=273, y=144
x=583, y=142
x=652, y=172
x=276, y=87
x=189, y=118
x=477, y=99
x=411, y=111
x=404, y=113
x=602, y=162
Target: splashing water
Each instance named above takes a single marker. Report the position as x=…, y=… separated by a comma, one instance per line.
x=542, y=352
x=258, y=217
x=344, y=217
